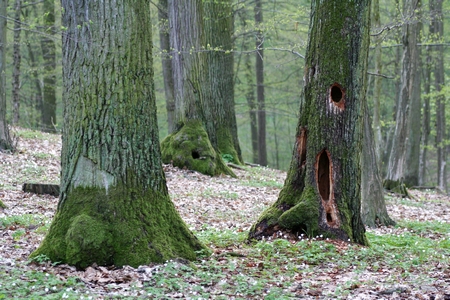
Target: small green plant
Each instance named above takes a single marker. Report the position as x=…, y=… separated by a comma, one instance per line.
x=40, y=259
x=227, y=158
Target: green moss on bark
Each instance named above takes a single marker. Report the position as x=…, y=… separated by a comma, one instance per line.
x=119, y=227
x=189, y=147
x=226, y=145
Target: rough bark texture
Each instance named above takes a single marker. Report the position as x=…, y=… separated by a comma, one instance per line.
x=413, y=143
x=164, y=41
x=16, y=63
x=220, y=61
x=262, y=148
x=48, y=52
x=439, y=82
x=397, y=160
x=5, y=138
x=322, y=194
x=114, y=206
x=194, y=107
x=373, y=206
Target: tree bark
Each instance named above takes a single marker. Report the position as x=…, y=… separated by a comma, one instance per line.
x=164, y=40
x=373, y=206
x=413, y=143
x=378, y=140
x=439, y=83
x=322, y=194
x=262, y=148
x=193, y=144
x=220, y=61
x=48, y=51
x=5, y=138
x=114, y=207
x=16, y=63
x=396, y=168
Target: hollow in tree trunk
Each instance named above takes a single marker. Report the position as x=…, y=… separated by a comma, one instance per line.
x=322, y=194
x=114, y=206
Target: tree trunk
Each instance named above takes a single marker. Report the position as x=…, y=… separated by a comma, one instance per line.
x=190, y=145
x=439, y=82
x=396, y=172
x=373, y=206
x=322, y=194
x=48, y=51
x=262, y=148
x=413, y=143
x=426, y=120
x=114, y=207
x=37, y=93
x=220, y=61
x=378, y=140
x=16, y=64
x=164, y=41
x=5, y=138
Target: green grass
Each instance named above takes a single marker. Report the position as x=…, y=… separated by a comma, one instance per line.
x=26, y=220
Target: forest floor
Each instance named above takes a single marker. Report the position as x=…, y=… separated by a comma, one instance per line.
x=408, y=261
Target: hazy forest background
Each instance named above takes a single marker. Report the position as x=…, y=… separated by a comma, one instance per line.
x=34, y=76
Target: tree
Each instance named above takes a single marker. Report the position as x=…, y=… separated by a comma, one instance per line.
x=321, y=194
x=395, y=178
x=437, y=26
x=194, y=142
x=164, y=41
x=114, y=206
x=5, y=138
x=48, y=51
x=16, y=63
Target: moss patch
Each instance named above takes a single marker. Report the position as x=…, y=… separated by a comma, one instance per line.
x=189, y=147
x=2, y=205
x=121, y=227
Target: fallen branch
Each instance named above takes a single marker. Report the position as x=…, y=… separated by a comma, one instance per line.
x=41, y=189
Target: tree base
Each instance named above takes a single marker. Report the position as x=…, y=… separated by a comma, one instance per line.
x=397, y=187
x=189, y=147
x=117, y=227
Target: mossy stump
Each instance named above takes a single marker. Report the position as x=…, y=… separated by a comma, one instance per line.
x=189, y=147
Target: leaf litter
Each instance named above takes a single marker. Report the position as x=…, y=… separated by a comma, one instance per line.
x=223, y=205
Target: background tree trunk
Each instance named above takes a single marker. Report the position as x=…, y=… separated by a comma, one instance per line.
x=373, y=206
x=322, y=194
x=16, y=63
x=114, y=205
x=439, y=82
x=396, y=168
x=192, y=144
x=220, y=61
x=426, y=118
x=164, y=41
x=378, y=141
x=262, y=148
x=48, y=51
x=5, y=138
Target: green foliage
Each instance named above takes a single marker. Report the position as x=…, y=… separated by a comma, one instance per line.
x=227, y=158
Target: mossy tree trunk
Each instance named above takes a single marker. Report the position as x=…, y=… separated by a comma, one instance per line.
x=220, y=61
x=396, y=171
x=190, y=144
x=48, y=51
x=5, y=138
x=114, y=206
x=322, y=194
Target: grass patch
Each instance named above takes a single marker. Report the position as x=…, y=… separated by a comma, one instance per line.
x=27, y=220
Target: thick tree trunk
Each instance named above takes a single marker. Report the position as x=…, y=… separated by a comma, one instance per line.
x=164, y=41
x=114, y=206
x=16, y=63
x=48, y=51
x=220, y=61
x=322, y=194
x=373, y=206
x=439, y=82
x=396, y=172
x=5, y=138
x=190, y=145
x=262, y=148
